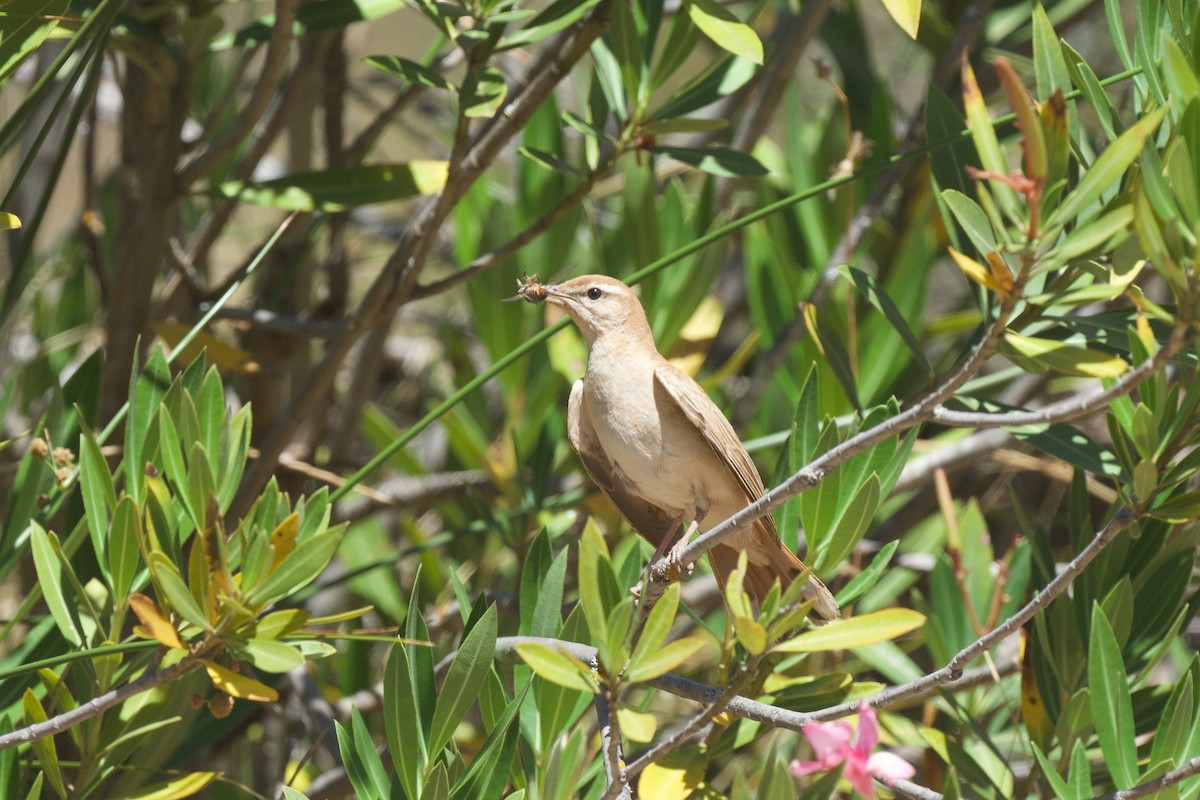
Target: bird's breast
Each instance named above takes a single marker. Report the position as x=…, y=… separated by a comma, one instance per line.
x=657, y=459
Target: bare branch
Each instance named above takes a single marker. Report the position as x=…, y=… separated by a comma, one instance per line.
x=616, y=780
x=98, y=705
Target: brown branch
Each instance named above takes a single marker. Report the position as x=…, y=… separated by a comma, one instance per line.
x=266, y=83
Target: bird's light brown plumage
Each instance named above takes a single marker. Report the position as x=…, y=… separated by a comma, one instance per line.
x=658, y=446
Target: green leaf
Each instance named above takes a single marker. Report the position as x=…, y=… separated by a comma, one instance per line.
x=96, y=486
x=1112, y=707
x=725, y=30
x=878, y=297
x=715, y=160
x=464, y=679
x=9, y=222
x=722, y=80
x=406, y=739
x=124, y=552
x=664, y=660
x=410, y=71
x=906, y=13
x=363, y=766
x=49, y=575
x=1179, y=509
x=552, y=19
x=593, y=556
x=973, y=220
x=168, y=578
x=271, y=655
x=25, y=24
x=864, y=581
x=146, y=391
x=320, y=15
x=47, y=754
x=482, y=93
x=488, y=772
x=844, y=634
x=1109, y=168
x=300, y=567
x=557, y=667
x=852, y=521
x=341, y=188
x=658, y=626
x=1050, y=67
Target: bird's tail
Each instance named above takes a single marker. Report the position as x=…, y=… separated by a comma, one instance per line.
x=786, y=568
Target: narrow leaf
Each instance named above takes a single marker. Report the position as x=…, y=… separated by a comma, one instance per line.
x=843, y=634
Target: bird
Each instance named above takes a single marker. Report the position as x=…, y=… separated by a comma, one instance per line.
x=654, y=441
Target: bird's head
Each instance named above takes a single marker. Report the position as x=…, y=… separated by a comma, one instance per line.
x=599, y=305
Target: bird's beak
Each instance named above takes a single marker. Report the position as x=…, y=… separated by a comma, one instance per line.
x=557, y=296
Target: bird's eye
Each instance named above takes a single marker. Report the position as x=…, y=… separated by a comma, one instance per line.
x=594, y=293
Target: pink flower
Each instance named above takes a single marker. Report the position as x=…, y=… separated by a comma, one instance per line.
x=831, y=744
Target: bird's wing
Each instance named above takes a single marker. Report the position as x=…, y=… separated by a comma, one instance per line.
x=702, y=412
x=649, y=520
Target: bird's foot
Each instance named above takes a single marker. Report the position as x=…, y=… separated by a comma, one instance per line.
x=672, y=566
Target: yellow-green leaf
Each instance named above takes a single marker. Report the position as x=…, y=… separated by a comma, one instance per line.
x=636, y=726
x=183, y=786
x=750, y=633
x=906, y=13
x=239, y=686
x=666, y=659
x=674, y=778
x=9, y=221
x=1066, y=358
x=843, y=634
x=725, y=30
x=157, y=625
x=341, y=188
x=557, y=667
